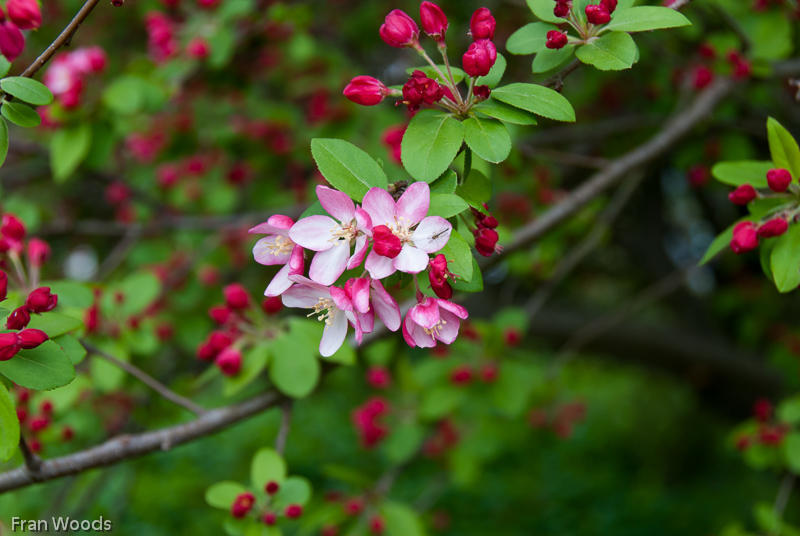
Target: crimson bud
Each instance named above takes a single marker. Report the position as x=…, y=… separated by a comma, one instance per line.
x=293, y=511
x=597, y=14
x=236, y=296
x=377, y=525
x=461, y=375
x=379, y=377
x=385, y=243
x=270, y=518
x=13, y=228
x=229, y=361
x=745, y=238
x=3, y=285
x=18, y=319
x=25, y=14
x=486, y=241
x=562, y=9
x=742, y=195
x=399, y=30
x=610, y=5
x=32, y=338
x=41, y=300
x=242, y=504
x=11, y=40
x=778, y=179
x=38, y=252
x=365, y=90
x=198, y=48
x=773, y=227
x=556, y=40
x=9, y=345
x=482, y=24
x=434, y=21
x=479, y=58
x=272, y=487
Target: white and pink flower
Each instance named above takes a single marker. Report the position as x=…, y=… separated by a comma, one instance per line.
x=277, y=248
x=402, y=235
x=331, y=238
x=432, y=320
x=370, y=298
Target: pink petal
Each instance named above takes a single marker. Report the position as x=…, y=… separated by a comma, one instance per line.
x=354, y=321
x=448, y=329
x=454, y=308
x=337, y=204
x=276, y=224
x=360, y=252
x=407, y=334
x=264, y=252
x=430, y=227
x=280, y=283
x=414, y=203
x=297, y=262
x=314, y=232
x=359, y=293
x=333, y=335
x=328, y=265
x=367, y=321
x=380, y=206
x=378, y=266
x=340, y=299
x=426, y=314
x=303, y=296
x=415, y=335
x=385, y=306
x=303, y=280
x=364, y=222
x=411, y=260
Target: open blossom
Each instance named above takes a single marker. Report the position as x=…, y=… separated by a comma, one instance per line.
x=278, y=248
x=432, y=320
x=369, y=298
x=333, y=238
x=409, y=236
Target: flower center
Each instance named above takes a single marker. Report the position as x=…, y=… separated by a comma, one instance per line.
x=282, y=245
x=343, y=234
x=325, y=311
x=434, y=331
x=401, y=228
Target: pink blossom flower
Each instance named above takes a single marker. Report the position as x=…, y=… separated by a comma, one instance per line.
x=402, y=219
x=333, y=238
x=278, y=248
x=361, y=291
x=432, y=320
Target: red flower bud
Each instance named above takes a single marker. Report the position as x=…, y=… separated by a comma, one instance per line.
x=562, y=9
x=774, y=227
x=198, y=48
x=703, y=76
x=744, y=238
x=242, y=504
x=377, y=525
x=379, y=377
x=329, y=530
x=229, y=361
x=39, y=423
x=219, y=340
x=272, y=487
x=3, y=285
x=293, y=511
x=434, y=21
x=22, y=415
x=762, y=410
x=67, y=434
x=399, y=30
x=206, y=352
x=597, y=14
x=18, y=319
x=353, y=507
x=11, y=40
x=270, y=518
x=272, y=305
x=438, y=274
x=46, y=407
x=778, y=179
x=419, y=89
x=236, y=296
x=556, y=40
x=489, y=373
x=610, y=5
x=479, y=58
x=32, y=338
x=742, y=195
x=12, y=228
x=481, y=92
x=365, y=90
x=221, y=314
x=461, y=375
x=385, y=243
x=482, y=24
x=9, y=345
x=486, y=241
x=38, y=252
x=41, y=300
x=25, y=14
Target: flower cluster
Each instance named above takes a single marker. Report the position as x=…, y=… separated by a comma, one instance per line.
x=162, y=40
x=18, y=15
x=369, y=421
x=595, y=15
x=38, y=420
x=245, y=503
x=702, y=75
x=66, y=75
x=768, y=432
x=401, y=31
x=385, y=235
x=747, y=233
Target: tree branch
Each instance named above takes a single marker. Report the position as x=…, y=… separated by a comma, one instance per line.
x=283, y=432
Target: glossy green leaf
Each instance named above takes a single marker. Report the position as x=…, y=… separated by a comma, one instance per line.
x=254, y=361
x=68, y=148
x=549, y=59
x=9, y=425
x=459, y=256
x=717, y=245
x=3, y=140
x=446, y=184
x=788, y=410
x=544, y=10
x=346, y=167
x=139, y=290
x=54, y=324
x=475, y=284
x=476, y=190
x=72, y=347
x=5, y=66
x=488, y=138
x=308, y=332
x=495, y=74
x=612, y=52
x=267, y=466
x=783, y=147
x=645, y=18
x=742, y=172
x=785, y=260
x=222, y=494
x=446, y=205
x=42, y=368
x=505, y=112
x=529, y=39
x=27, y=90
x=430, y=144
x=294, y=368
x=20, y=114
x=540, y=100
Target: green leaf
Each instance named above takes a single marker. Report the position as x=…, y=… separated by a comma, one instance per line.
x=54, y=324
x=495, y=74
x=783, y=147
x=294, y=368
x=439, y=401
x=139, y=291
x=430, y=72
x=459, y=256
x=446, y=184
x=401, y=520
x=544, y=10
x=511, y=391
x=346, y=167
x=540, y=100
x=644, y=18
x=549, y=59
x=126, y=94
x=42, y=368
x=222, y=494
x=612, y=52
x=505, y=112
x=476, y=190
x=430, y=144
x=254, y=361
x=488, y=138
x=72, y=347
x=404, y=442
x=446, y=205
x=742, y=172
x=267, y=466
x=475, y=284
x=71, y=293
x=309, y=332
x=3, y=140
x=785, y=260
x=718, y=244
x=5, y=66
x=294, y=490
x=314, y=210
x=789, y=410
x=27, y=90
x=9, y=425
x=20, y=114
x=68, y=148
x=529, y=39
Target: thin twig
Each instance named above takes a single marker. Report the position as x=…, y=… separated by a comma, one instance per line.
x=33, y=462
x=148, y=380
x=557, y=80
x=283, y=431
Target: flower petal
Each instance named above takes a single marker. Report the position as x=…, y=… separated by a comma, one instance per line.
x=454, y=308
x=337, y=204
x=355, y=322
x=340, y=299
x=303, y=296
x=380, y=206
x=359, y=294
x=280, y=283
x=328, y=265
x=367, y=321
x=333, y=335
x=276, y=224
x=385, y=306
x=264, y=252
x=414, y=203
x=314, y=232
x=448, y=329
x=432, y=234
x=411, y=260
x=364, y=221
x=359, y=253
x=426, y=314
x=378, y=266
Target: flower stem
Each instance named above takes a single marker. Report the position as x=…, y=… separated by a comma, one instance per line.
x=456, y=92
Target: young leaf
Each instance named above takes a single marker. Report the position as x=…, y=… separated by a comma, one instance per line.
x=3, y=140
x=5, y=66
x=27, y=90
x=540, y=100
x=783, y=148
x=294, y=490
x=488, y=138
x=718, y=244
x=9, y=425
x=446, y=184
x=742, y=172
x=476, y=190
x=222, y=494
x=346, y=167
x=446, y=205
x=403, y=442
x=529, y=39
x=792, y=449
x=785, y=260
x=548, y=59
x=430, y=144
x=644, y=18
x=315, y=209
x=72, y=347
x=475, y=284
x=440, y=401
x=505, y=112
x=544, y=10
x=68, y=148
x=612, y=52
x=20, y=114
x=495, y=74
x=42, y=368
x=54, y=324
x=294, y=368
x=267, y=466
x=254, y=362
x=459, y=257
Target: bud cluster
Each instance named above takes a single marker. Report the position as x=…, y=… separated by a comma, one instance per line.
x=768, y=432
x=486, y=236
x=245, y=504
x=595, y=15
x=67, y=74
x=18, y=15
x=38, y=421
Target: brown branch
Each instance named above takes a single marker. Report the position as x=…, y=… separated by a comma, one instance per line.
x=557, y=80
x=62, y=40
x=148, y=380
x=133, y=446
x=33, y=463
